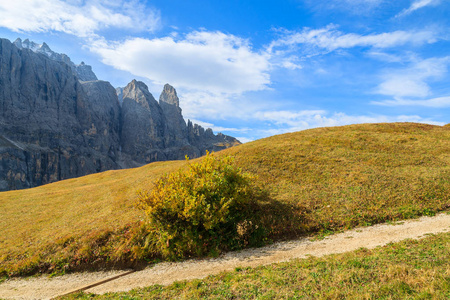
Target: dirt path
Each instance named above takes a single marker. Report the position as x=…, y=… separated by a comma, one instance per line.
x=166, y=273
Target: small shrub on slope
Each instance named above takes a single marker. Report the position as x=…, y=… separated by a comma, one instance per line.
x=202, y=209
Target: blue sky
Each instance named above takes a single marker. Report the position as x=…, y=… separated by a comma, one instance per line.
x=252, y=68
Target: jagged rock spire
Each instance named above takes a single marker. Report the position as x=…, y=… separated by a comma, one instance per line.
x=169, y=95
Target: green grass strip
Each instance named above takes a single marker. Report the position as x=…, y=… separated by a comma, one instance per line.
x=412, y=269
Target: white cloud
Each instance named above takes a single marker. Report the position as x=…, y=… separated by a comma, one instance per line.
x=202, y=105
x=418, y=4
x=200, y=61
x=301, y=120
x=387, y=57
x=330, y=39
x=404, y=85
x=79, y=18
x=439, y=102
x=412, y=81
x=291, y=118
x=290, y=63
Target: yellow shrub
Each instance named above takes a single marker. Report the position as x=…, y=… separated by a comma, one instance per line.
x=200, y=209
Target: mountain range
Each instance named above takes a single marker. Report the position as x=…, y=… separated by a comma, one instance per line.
x=58, y=121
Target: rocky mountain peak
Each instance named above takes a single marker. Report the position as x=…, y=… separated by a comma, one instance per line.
x=85, y=73
x=169, y=95
x=138, y=91
x=18, y=43
x=35, y=47
x=136, y=84
x=82, y=71
x=45, y=47
x=27, y=44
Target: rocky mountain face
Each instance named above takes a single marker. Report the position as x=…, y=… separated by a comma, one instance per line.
x=82, y=71
x=58, y=121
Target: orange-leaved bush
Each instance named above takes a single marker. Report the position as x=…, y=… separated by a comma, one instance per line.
x=206, y=208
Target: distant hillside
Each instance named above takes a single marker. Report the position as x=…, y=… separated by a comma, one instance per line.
x=58, y=121
x=319, y=180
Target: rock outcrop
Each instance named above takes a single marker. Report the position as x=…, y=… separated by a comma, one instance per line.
x=143, y=125
x=58, y=121
x=84, y=72
x=170, y=105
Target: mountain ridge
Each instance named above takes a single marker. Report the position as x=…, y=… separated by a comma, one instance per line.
x=55, y=124
x=82, y=71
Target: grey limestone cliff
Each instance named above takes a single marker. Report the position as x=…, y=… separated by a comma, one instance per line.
x=45, y=120
x=55, y=125
x=144, y=127
x=170, y=105
x=82, y=71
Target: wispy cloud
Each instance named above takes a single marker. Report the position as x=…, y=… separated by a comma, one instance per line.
x=413, y=80
x=79, y=18
x=287, y=121
x=351, y=6
x=210, y=61
x=290, y=118
x=330, y=39
x=272, y=122
x=390, y=58
x=418, y=4
x=439, y=102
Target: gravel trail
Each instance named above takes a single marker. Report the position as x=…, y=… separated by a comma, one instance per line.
x=166, y=273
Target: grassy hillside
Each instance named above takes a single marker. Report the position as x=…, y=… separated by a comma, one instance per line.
x=319, y=180
x=40, y=226
x=355, y=175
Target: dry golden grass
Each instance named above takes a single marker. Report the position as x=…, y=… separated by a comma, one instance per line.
x=354, y=175
x=34, y=219
x=320, y=180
